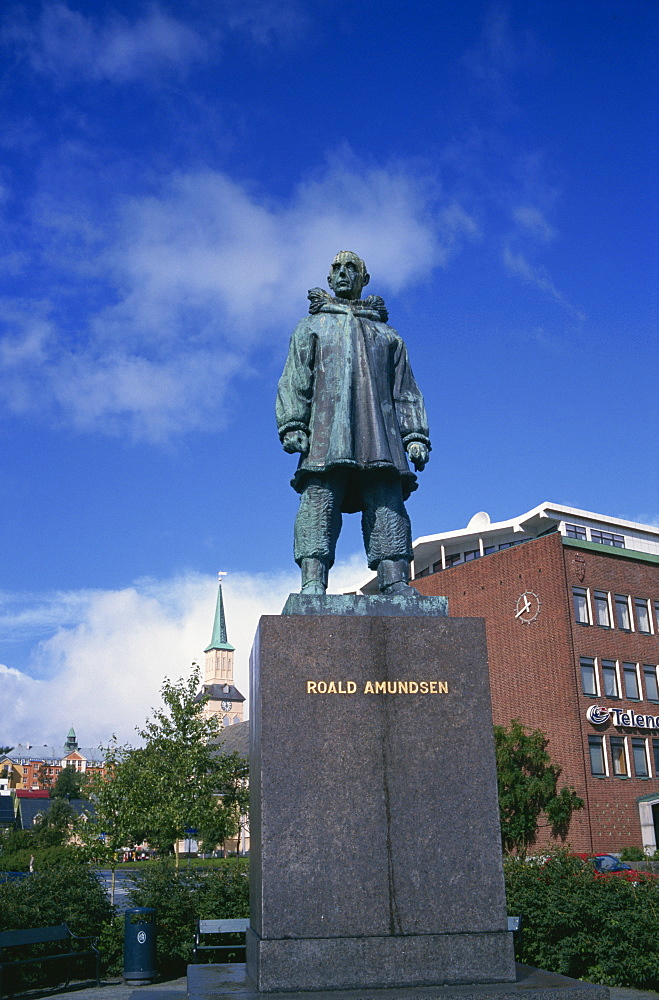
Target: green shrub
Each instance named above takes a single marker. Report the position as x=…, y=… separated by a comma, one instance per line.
x=66, y=892
x=16, y=861
x=633, y=854
x=605, y=930
x=111, y=945
x=15, y=840
x=44, y=857
x=226, y=891
x=180, y=896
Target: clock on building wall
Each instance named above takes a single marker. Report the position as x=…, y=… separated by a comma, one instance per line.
x=527, y=607
x=226, y=706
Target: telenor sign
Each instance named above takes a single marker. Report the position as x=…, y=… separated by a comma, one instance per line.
x=626, y=717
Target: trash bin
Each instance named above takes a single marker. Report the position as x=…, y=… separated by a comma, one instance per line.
x=140, y=945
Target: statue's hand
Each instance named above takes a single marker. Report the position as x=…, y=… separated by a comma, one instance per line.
x=418, y=455
x=296, y=441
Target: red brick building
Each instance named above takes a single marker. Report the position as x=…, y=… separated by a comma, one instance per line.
x=571, y=604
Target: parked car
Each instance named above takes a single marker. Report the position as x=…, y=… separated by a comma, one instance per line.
x=607, y=865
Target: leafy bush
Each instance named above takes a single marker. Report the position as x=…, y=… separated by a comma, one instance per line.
x=605, y=930
x=44, y=857
x=15, y=840
x=182, y=895
x=226, y=891
x=633, y=854
x=111, y=945
x=66, y=892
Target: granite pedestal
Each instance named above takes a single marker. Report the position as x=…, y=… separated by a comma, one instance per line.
x=375, y=847
x=220, y=982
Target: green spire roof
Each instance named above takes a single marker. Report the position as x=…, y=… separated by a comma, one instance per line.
x=219, y=637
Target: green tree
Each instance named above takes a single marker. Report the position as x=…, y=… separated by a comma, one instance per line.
x=232, y=804
x=177, y=780
x=44, y=778
x=56, y=826
x=69, y=784
x=4, y=771
x=107, y=827
x=527, y=782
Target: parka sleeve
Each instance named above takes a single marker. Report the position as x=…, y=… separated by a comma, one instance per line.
x=408, y=401
x=295, y=391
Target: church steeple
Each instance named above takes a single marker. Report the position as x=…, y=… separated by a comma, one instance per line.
x=219, y=637
x=224, y=699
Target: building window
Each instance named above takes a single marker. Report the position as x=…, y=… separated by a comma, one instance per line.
x=618, y=756
x=437, y=567
x=602, y=612
x=610, y=678
x=650, y=678
x=623, y=618
x=655, y=755
x=472, y=554
x=642, y=615
x=453, y=560
x=607, y=538
x=630, y=673
x=597, y=762
x=424, y=572
x=581, y=608
x=588, y=676
x=639, y=752
x=575, y=531
x=656, y=614
x=489, y=549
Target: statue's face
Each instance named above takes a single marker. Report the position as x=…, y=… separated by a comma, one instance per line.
x=346, y=279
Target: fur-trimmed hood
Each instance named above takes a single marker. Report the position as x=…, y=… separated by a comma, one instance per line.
x=372, y=307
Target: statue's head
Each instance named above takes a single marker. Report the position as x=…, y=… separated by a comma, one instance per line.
x=348, y=275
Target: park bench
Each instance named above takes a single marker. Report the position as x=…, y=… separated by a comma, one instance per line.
x=64, y=946
x=220, y=929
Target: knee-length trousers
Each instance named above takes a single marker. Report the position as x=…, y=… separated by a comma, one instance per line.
x=385, y=523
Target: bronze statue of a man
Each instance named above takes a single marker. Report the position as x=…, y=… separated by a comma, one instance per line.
x=349, y=404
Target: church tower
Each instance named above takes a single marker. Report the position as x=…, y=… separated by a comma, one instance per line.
x=224, y=699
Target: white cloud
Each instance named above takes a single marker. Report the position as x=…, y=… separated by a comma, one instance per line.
x=532, y=220
x=68, y=45
x=207, y=242
x=652, y=519
x=198, y=275
x=501, y=52
x=518, y=264
x=267, y=21
x=102, y=664
x=156, y=399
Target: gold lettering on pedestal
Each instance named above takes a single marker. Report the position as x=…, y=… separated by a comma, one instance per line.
x=378, y=687
x=331, y=687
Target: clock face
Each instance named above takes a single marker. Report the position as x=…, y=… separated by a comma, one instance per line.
x=527, y=607
x=226, y=705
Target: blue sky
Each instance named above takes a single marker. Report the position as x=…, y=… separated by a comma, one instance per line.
x=175, y=176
